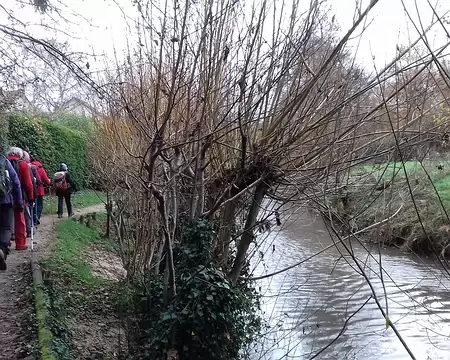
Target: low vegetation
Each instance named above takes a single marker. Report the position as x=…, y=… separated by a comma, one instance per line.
x=211, y=317
x=421, y=190
x=89, y=301
x=82, y=301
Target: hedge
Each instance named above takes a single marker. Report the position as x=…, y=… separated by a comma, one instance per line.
x=51, y=144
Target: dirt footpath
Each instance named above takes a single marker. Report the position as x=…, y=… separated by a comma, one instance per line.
x=17, y=331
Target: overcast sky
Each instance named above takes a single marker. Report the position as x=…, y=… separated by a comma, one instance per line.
x=388, y=27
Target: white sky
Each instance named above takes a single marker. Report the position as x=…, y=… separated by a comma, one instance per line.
x=388, y=25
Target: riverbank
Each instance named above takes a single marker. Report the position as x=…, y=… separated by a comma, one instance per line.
x=422, y=192
x=82, y=284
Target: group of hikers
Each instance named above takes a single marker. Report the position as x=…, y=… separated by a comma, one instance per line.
x=23, y=184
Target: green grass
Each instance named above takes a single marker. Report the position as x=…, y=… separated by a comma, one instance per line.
x=80, y=200
x=387, y=170
x=71, y=286
x=73, y=240
x=375, y=191
x=397, y=170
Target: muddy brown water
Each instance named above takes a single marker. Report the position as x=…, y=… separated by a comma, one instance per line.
x=307, y=307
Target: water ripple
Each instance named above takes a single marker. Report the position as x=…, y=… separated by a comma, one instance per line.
x=307, y=307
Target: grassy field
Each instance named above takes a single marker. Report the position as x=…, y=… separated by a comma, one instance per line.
x=80, y=200
x=374, y=192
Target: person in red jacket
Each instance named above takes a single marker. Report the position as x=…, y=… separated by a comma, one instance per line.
x=15, y=156
x=30, y=220
x=41, y=188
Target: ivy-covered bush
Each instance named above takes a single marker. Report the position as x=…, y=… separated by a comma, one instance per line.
x=51, y=143
x=210, y=317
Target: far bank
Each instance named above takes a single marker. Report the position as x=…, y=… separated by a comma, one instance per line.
x=417, y=192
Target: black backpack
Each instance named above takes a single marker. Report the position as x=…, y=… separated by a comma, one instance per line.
x=5, y=178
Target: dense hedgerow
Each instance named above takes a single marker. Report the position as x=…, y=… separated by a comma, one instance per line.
x=51, y=143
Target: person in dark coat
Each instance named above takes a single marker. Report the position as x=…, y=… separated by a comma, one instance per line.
x=10, y=201
x=65, y=186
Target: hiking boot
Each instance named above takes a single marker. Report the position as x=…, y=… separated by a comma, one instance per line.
x=59, y=216
x=2, y=260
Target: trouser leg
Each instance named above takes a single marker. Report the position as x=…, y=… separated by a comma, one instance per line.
x=6, y=226
x=35, y=212
x=69, y=205
x=20, y=230
x=40, y=202
x=13, y=234
x=28, y=214
x=60, y=205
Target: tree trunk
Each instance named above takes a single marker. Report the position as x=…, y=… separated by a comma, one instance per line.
x=247, y=236
x=226, y=226
x=167, y=242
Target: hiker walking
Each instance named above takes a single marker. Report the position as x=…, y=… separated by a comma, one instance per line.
x=10, y=201
x=64, y=187
x=29, y=208
x=41, y=189
x=22, y=170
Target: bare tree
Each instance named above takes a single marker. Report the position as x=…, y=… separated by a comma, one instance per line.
x=211, y=116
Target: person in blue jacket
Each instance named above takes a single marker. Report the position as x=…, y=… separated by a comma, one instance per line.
x=10, y=200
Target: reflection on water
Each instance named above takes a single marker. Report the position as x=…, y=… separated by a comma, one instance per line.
x=308, y=306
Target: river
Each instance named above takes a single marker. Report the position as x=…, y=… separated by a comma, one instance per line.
x=307, y=306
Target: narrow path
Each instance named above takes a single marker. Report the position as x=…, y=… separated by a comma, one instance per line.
x=16, y=309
